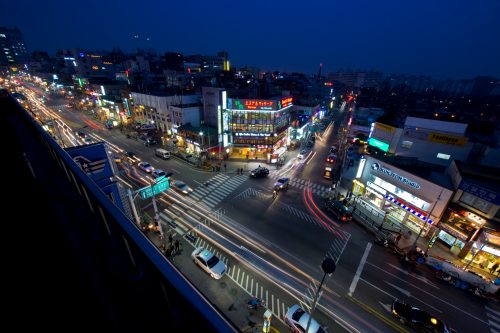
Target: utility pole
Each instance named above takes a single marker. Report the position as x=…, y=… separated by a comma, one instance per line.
x=328, y=266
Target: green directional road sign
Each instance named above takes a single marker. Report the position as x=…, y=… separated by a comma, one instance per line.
x=157, y=188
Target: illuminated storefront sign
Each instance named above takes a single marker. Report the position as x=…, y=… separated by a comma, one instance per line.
x=252, y=134
x=378, y=144
x=252, y=104
x=285, y=102
x=377, y=167
x=447, y=139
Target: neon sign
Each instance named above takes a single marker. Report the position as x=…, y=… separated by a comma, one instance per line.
x=379, y=168
x=251, y=104
x=260, y=134
x=286, y=102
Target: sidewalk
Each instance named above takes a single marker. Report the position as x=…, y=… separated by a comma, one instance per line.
x=231, y=301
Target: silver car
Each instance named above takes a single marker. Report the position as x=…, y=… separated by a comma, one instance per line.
x=182, y=187
x=209, y=262
x=146, y=167
x=296, y=318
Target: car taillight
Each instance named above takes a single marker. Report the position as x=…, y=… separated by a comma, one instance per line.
x=343, y=218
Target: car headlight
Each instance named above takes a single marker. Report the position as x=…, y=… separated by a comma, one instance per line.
x=394, y=312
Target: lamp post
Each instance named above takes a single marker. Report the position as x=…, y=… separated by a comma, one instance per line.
x=328, y=266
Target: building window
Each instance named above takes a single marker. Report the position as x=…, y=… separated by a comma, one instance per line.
x=406, y=144
x=443, y=156
x=475, y=202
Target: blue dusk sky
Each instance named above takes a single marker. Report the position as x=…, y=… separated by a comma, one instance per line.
x=441, y=38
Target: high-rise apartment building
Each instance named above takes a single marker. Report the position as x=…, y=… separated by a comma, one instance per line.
x=12, y=48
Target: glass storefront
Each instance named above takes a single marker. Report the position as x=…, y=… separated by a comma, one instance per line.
x=454, y=243
x=374, y=197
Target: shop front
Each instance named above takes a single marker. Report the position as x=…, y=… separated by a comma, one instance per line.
x=458, y=226
x=405, y=199
x=485, y=253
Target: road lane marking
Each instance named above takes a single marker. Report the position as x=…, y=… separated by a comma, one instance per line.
x=380, y=316
x=278, y=302
x=311, y=158
x=492, y=310
x=430, y=294
x=360, y=269
x=408, y=294
x=494, y=324
x=379, y=289
x=421, y=278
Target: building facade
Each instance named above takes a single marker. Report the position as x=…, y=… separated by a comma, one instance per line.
x=12, y=46
x=167, y=112
x=470, y=222
x=257, y=128
x=431, y=141
x=397, y=197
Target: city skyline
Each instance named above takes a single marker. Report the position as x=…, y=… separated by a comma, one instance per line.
x=445, y=40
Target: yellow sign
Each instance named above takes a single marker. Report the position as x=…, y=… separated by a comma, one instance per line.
x=384, y=127
x=447, y=139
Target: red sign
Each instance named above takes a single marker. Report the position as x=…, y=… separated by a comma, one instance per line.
x=255, y=104
x=286, y=102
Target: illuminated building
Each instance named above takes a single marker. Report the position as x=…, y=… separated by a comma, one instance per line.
x=257, y=128
x=13, y=51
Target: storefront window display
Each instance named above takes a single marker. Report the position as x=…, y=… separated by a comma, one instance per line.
x=374, y=197
x=483, y=260
x=455, y=243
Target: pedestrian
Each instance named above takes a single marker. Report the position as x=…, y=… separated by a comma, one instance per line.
x=169, y=252
x=398, y=237
x=224, y=167
x=170, y=239
x=177, y=246
x=494, y=267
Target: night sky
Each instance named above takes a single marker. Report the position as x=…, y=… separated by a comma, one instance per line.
x=442, y=38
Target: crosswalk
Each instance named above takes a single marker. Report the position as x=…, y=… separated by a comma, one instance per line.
x=299, y=183
x=218, y=188
x=493, y=315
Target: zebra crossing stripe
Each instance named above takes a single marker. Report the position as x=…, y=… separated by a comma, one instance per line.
x=492, y=310
x=213, y=200
x=197, y=195
x=225, y=191
x=209, y=202
x=217, y=195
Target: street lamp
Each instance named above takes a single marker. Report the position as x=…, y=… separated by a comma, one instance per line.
x=328, y=266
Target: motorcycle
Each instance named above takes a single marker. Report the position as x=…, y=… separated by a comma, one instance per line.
x=255, y=303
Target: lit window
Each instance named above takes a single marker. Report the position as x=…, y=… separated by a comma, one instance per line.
x=443, y=156
x=406, y=144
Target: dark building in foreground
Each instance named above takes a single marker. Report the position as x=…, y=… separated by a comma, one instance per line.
x=75, y=261
x=12, y=48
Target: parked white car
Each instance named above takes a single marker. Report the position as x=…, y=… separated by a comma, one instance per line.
x=209, y=262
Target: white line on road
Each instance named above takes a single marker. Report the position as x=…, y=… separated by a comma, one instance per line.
x=156, y=160
x=408, y=294
x=360, y=269
x=197, y=182
x=492, y=310
x=379, y=289
x=311, y=158
x=175, y=170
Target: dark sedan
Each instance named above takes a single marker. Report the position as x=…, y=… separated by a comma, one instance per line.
x=418, y=319
x=259, y=172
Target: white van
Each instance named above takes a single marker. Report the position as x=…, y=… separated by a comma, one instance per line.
x=165, y=154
